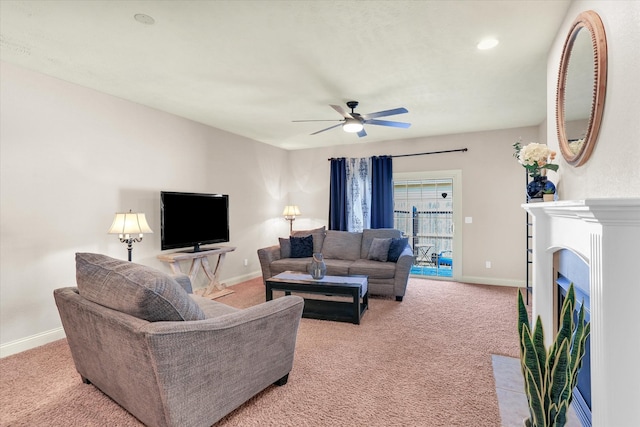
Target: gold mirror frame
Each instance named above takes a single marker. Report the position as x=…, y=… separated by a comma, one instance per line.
x=590, y=21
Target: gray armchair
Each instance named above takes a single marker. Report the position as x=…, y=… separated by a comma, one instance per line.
x=169, y=358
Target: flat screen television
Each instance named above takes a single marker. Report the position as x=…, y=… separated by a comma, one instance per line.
x=193, y=219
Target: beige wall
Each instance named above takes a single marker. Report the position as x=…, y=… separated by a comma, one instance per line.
x=614, y=167
x=492, y=190
x=72, y=157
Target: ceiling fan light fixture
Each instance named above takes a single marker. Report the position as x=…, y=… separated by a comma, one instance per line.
x=352, y=126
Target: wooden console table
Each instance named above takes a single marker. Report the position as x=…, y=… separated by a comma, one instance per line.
x=214, y=289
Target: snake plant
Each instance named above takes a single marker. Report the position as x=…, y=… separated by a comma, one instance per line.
x=550, y=376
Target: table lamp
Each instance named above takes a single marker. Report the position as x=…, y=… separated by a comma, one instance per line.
x=290, y=212
x=127, y=225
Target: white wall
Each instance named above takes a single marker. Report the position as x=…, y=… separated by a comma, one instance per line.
x=614, y=167
x=72, y=157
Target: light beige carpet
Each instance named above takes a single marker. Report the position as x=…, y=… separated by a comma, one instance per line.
x=426, y=361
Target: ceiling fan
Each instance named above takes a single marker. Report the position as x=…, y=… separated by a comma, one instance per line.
x=354, y=122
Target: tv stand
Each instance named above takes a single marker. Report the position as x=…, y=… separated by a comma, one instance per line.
x=199, y=259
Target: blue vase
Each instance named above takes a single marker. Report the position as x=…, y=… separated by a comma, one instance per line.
x=535, y=187
x=550, y=186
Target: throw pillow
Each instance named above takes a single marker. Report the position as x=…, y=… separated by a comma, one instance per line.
x=285, y=248
x=368, y=234
x=379, y=250
x=342, y=245
x=396, y=247
x=318, y=237
x=137, y=290
x=301, y=247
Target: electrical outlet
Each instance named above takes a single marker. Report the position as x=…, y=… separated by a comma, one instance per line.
x=468, y=220
x=487, y=264
x=246, y=262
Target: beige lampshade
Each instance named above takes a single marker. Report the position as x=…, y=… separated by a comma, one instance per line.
x=291, y=211
x=130, y=223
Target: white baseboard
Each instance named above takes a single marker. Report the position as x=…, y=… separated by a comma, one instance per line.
x=492, y=281
x=238, y=279
x=243, y=278
x=33, y=341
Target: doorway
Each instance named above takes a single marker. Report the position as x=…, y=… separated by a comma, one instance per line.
x=426, y=211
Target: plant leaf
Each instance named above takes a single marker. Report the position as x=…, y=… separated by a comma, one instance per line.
x=533, y=379
x=560, y=377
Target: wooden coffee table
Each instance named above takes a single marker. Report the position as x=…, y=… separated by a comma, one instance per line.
x=346, y=286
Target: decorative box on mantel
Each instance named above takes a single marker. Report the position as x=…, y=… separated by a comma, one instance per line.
x=605, y=233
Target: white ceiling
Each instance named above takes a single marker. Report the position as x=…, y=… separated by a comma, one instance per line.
x=252, y=67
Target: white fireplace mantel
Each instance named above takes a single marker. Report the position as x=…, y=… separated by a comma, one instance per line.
x=606, y=234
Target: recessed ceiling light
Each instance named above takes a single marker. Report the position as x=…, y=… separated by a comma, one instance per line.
x=145, y=19
x=488, y=44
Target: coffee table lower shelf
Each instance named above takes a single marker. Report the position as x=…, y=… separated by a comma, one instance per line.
x=338, y=311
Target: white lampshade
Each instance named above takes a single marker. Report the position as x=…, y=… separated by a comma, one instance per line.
x=130, y=223
x=352, y=126
x=291, y=211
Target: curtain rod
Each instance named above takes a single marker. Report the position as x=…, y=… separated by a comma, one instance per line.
x=423, y=154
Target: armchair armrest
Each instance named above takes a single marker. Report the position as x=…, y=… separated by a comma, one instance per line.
x=226, y=359
x=266, y=257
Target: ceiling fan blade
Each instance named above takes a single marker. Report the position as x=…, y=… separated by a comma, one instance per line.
x=362, y=133
x=388, y=123
x=330, y=127
x=341, y=111
x=384, y=113
x=300, y=121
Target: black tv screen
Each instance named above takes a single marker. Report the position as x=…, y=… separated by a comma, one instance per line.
x=193, y=219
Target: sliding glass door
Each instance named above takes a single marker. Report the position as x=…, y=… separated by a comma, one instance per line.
x=425, y=211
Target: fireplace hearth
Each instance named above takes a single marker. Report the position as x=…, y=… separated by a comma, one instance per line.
x=605, y=235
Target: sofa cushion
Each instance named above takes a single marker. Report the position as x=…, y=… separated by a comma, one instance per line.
x=337, y=267
x=318, y=237
x=373, y=269
x=300, y=265
x=379, y=249
x=137, y=290
x=301, y=247
x=212, y=308
x=396, y=247
x=372, y=233
x=342, y=245
x=285, y=247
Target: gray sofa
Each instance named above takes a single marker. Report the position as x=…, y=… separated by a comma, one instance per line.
x=167, y=357
x=347, y=253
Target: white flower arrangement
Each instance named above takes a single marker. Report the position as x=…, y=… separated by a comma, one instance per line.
x=534, y=157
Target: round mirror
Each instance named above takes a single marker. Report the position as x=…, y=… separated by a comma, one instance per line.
x=581, y=88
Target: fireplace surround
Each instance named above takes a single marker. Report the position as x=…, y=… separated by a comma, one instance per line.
x=569, y=268
x=605, y=233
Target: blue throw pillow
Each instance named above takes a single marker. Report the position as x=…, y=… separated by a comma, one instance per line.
x=301, y=247
x=396, y=247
